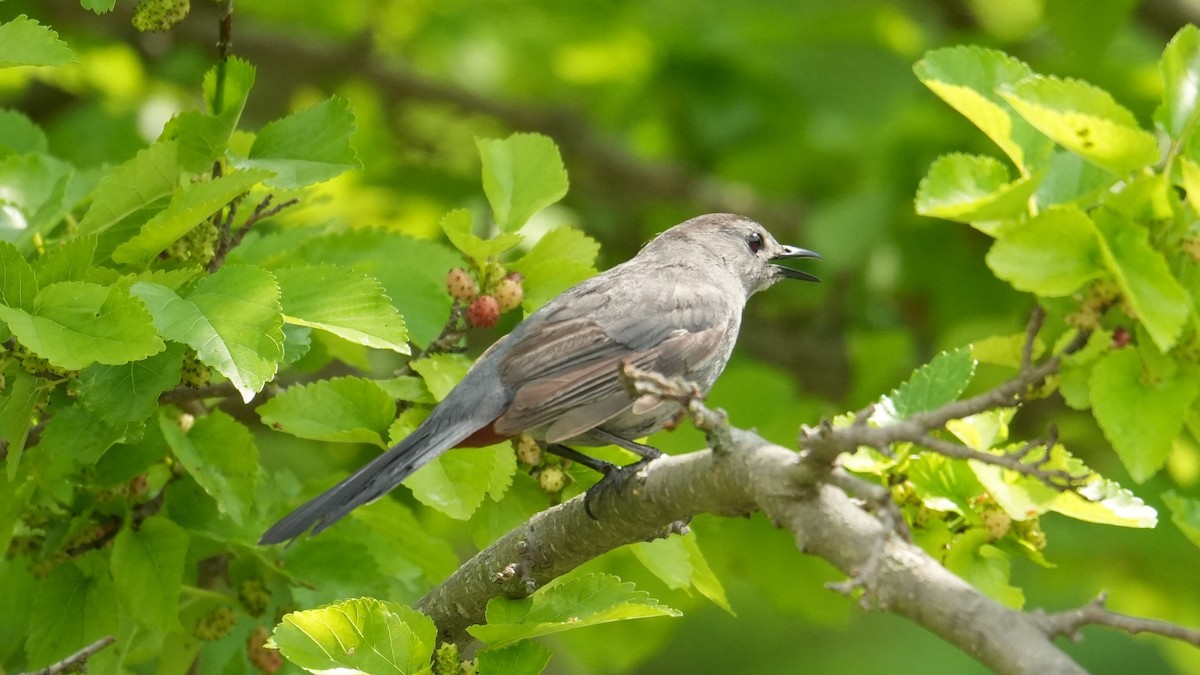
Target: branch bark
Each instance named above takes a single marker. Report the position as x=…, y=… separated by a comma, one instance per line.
x=752, y=474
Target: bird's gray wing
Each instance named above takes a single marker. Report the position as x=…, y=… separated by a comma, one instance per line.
x=564, y=370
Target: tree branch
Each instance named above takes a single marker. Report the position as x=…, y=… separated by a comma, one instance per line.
x=76, y=661
x=1095, y=613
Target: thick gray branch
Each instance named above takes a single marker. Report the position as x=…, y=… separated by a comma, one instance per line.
x=752, y=475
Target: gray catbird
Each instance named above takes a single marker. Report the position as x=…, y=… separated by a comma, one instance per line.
x=675, y=309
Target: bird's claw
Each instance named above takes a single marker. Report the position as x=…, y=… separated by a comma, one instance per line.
x=614, y=478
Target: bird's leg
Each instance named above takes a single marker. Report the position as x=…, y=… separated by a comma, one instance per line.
x=597, y=465
x=640, y=449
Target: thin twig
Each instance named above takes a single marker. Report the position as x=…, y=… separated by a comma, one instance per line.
x=78, y=660
x=229, y=238
x=1068, y=623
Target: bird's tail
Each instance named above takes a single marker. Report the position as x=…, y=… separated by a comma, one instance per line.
x=372, y=481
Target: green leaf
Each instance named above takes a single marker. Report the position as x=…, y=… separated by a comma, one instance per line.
x=1103, y=501
x=1141, y=419
x=18, y=282
x=98, y=6
x=189, y=207
x=310, y=146
x=73, y=607
x=407, y=388
x=974, y=189
x=441, y=372
x=968, y=78
x=1185, y=513
x=25, y=42
x=362, y=635
x=456, y=482
x=67, y=261
x=36, y=189
x=74, y=324
x=522, y=174
x=984, y=566
x=560, y=259
x=342, y=409
x=680, y=564
x=1085, y=120
x=1161, y=303
x=349, y=304
x=586, y=600
x=129, y=392
x=523, y=658
x=1180, y=70
x=147, y=570
x=1052, y=254
x=219, y=452
x=149, y=177
x=17, y=403
x=75, y=432
x=458, y=225
x=1004, y=350
x=944, y=484
x=935, y=384
x=1189, y=172
x=231, y=319
x=19, y=135
x=204, y=136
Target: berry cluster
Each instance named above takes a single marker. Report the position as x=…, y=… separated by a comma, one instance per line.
x=216, y=624
x=549, y=470
x=991, y=517
x=502, y=292
x=194, y=373
x=254, y=596
x=263, y=658
x=199, y=245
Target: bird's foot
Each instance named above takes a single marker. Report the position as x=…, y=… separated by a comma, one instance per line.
x=614, y=478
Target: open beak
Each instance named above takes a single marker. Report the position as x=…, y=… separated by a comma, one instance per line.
x=792, y=252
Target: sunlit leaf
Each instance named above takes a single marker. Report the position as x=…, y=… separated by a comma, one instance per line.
x=522, y=174
x=973, y=189
x=560, y=259
x=306, y=147
x=362, y=635
x=935, y=384
x=524, y=658
x=25, y=42
x=351, y=305
x=574, y=603
x=1180, y=70
x=1051, y=254
x=343, y=409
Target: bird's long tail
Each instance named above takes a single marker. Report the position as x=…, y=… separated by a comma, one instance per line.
x=372, y=481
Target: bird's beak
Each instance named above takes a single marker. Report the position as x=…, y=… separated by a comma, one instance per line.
x=792, y=252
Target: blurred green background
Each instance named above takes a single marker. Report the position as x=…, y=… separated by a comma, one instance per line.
x=803, y=114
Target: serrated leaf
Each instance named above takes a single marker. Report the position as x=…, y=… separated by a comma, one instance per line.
x=1052, y=254
x=441, y=372
x=17, y=403
x=1180, y=71
x=98, y=6
x=18, y=281
x=204, y=136
x=456, y=482
x=679, y=563
x=343, y=409
x=75, y=432
x=1103, y=501
x=231, y=319
x=147, y=569
x=349, y=304
x=129, y=392
x=407, y=388
x=1141, y=419
x=458, y=225
x=67, y=261
x=362, y=635
x=1185, y=513
x=984, y=566
x=306, y=147
x=74, y=324
x=189, y=207
x=1085, y=120
x=1161, y=303
x=586, y=600
x=560, y=259
x=25, y=42
x=974, y=189
x=968, y=77
x=523, y=658
x=219, y=452
x=522, y=174
x=943, y=483
x=935, y=384
x=19, y=135
x=73, y=607
x=150, y=176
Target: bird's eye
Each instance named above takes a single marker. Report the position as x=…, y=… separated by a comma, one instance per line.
x=755, y=242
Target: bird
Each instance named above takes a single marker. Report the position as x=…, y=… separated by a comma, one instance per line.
x=675, y=308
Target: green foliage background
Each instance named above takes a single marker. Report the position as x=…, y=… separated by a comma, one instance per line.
x=805, y=115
